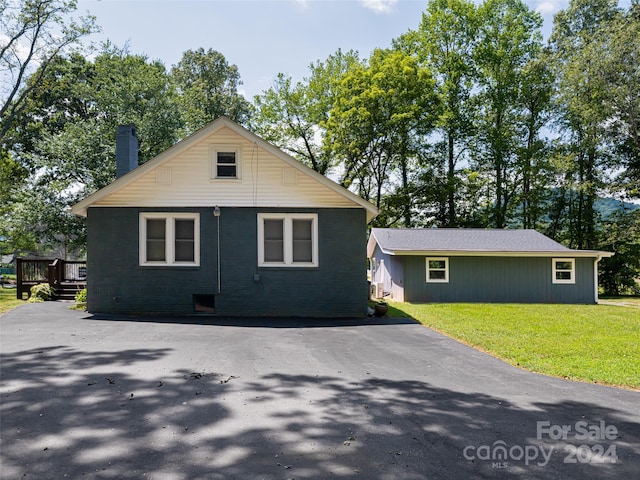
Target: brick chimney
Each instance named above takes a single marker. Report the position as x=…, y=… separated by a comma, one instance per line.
x=126, y=149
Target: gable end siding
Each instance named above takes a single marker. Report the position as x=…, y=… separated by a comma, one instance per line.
x=499, y=280
x=259, y=183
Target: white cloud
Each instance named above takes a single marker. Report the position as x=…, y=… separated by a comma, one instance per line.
x=380, y=6
x=548, y=6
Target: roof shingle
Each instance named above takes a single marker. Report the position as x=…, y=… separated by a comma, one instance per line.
x=461, y=239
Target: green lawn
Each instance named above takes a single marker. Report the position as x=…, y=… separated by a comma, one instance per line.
x=593, y=343
x=8, y=299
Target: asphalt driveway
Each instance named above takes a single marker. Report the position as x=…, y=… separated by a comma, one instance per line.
x=105, y=397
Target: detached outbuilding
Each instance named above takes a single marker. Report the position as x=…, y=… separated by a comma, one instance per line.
x=224, y=223
x=476, y=265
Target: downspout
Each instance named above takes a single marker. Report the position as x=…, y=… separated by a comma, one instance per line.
x=595, y=276
x=216, y=213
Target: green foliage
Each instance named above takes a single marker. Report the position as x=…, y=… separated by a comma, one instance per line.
x=41, y=293
x=383, y=111
x=285, y=116
x=621, y=234
x=294, y=116
x=63, y=147
x=34, y=33
x=81, y=296
x=509, y=40
x=208, y=89
x=12, y=174
x=68, y=146
x=619, y=44
x=444, y=42
x=583, y=114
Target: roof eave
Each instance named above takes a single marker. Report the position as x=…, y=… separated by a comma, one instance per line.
x=503, y=253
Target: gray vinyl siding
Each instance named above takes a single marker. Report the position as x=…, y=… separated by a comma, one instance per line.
x=389, y=269
x=336, y=288
x=500, y=280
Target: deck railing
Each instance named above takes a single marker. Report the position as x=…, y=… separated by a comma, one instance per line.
x=56, y=272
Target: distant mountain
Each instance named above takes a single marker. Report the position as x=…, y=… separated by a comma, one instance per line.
x=609, y=206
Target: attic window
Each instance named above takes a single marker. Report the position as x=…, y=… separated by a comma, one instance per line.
x=225, y=163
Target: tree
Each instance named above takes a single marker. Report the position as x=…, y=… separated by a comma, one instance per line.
x=509, y=41
x=64, y=137
x=208, y=88
x=293, y=116
x=444, y=43
x=384, y=110
x=34, y=33
x=619, y=43
x=621, y=235
x=69, y=121
x=581, y=99
x=131, y=89
x=534, y=168
x=284, y=117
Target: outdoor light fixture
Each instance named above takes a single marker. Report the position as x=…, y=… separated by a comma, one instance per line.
x=216, y=211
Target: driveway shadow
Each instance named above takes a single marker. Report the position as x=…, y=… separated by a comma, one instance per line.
x=67, y=413
x=266, y=322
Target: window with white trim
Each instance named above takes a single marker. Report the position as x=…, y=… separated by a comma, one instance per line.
x=287, y=240
x=169, y=239
x=225, y=163
x=564, y=270
x=437, y=270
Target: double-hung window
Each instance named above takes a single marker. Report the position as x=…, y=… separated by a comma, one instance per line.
x=287, y=240
x=169, y=239
x=225, y=163
x=563, y=270
x=437, y=270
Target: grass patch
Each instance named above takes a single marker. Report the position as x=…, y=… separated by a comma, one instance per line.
x=593, y=343
x=8, y=300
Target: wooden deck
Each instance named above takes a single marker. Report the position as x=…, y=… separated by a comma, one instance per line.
x=66, y=277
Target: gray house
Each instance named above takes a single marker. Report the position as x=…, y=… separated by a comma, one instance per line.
x=474, y=265
x=224, y=223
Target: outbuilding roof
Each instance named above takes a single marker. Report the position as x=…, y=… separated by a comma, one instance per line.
x=463, y=241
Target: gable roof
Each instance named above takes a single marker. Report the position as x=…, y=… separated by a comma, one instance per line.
x=477, y=242
x=122, y=188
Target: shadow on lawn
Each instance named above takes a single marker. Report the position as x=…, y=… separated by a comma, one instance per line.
x=68, y=413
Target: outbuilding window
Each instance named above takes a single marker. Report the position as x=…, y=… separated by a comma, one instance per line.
x=169, y=239
x=437, y=270
x=287, y=240
x=564, y=270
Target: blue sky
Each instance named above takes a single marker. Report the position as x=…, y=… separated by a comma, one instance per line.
x=263, y=38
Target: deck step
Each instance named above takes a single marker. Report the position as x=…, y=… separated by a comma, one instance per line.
x=66, y=296
x=68, y=291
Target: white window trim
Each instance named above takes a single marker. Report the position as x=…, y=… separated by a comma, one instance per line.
x=170, y=253
x=554, y=270
x=446, y=270
x=213, y=169
x=288, y=238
